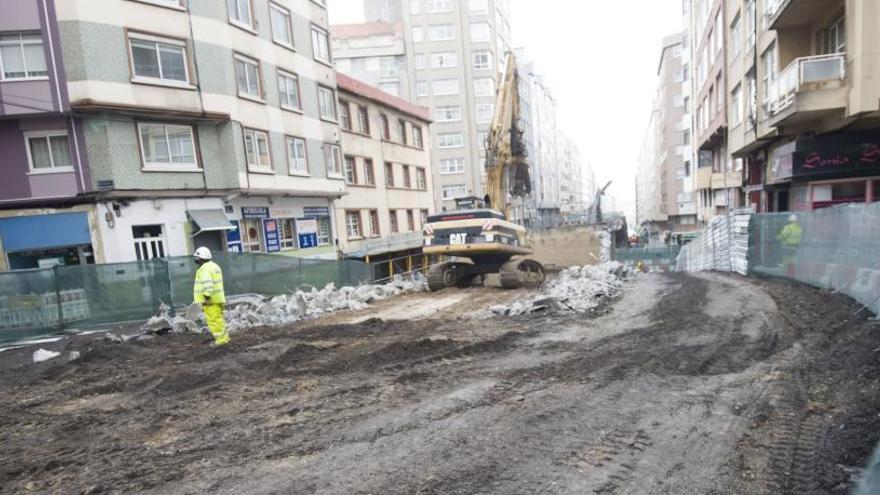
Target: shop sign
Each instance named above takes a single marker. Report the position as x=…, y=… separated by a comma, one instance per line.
x=779, y=167
x=316, y=211
x=845, y=158
x=257, y=212
x=281, y=213
x=307, y=232
x=270, y=233
x=233, y=238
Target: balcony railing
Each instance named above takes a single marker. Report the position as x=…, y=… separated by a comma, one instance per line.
x=802, y=71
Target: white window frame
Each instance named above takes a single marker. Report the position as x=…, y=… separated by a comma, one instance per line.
x=386, y=63
x=478, y=91
x=439, y=83
x=441, y=32
x=147, y=248
x=326, y=90
x=478, y=60
x=288, y=24
x=451, y=166
x=354, y=230
x=444, y=60
x=422, y=88
x=438, y=6
x=168, y=167
x=321, y=52
x=736, y=35
x=447, y=113
x=46, y=135
x=450, y=140
x=736, y=105
x=483, y=107
x=239, y=58
x=333, y=155
x=171, y=4
x=283, y=75
x=297, y=165
x=448, y=195
x=256, y=135
x=373, y=223
x=235, y=20
x=421, y=179
x=21, y=44
x=134, y=37
x=287, y=243
x=421, y=61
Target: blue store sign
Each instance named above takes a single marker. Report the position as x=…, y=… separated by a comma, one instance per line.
x=258, y=212
x=270, y=233
x=316, y=211
x=233, y=238
x=307, y=232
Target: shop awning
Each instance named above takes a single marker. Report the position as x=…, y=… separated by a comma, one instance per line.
x=210, y=221
x=31, y=233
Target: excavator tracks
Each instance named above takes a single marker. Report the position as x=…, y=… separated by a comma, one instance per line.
x=518, y=273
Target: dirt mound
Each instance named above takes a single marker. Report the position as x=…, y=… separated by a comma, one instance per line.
x=566, y=246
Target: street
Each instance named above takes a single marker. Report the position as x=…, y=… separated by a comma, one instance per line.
x=687, y=384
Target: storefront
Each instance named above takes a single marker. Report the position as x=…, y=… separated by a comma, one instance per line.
x=42, y=241
x=291, y=226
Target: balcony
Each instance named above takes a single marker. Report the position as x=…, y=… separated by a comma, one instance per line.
x=704, y=178
x=781, y=14
x=724, y=180
x=809, y=88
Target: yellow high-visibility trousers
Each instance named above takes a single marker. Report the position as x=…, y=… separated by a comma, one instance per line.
x=216, y=323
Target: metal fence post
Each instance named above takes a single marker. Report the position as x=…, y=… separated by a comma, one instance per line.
x=58, y=297
x=170, y=286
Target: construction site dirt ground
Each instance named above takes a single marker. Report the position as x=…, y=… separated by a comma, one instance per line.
x=685, y=385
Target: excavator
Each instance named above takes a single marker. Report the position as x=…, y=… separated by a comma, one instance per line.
x=478, y=238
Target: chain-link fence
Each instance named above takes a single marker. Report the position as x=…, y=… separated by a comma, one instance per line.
x=46, y=301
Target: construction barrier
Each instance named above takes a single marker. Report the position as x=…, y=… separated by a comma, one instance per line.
x=722, y=246
x=648, y=260
x=46, y=301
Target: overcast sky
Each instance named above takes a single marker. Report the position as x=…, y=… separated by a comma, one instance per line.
x=599, y=59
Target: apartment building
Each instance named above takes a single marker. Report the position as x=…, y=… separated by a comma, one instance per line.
x=665, y=208
x=807, y=103
x=374, y=53
x=387, y=168
x=197, y=123
x=455, y=53
x=718, y=176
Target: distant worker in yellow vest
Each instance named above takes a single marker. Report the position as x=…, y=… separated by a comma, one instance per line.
x=790, y=239
x=208, y=291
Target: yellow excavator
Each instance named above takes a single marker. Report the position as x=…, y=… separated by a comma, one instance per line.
x=478, y=237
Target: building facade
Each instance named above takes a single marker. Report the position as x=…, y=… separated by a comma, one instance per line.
x=374, y=53
x=387, y=166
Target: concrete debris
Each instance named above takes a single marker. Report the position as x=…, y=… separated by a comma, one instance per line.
x=576, y=289
x=41, y=355
x=605, y=243
x=252, y=310
x=73, y=355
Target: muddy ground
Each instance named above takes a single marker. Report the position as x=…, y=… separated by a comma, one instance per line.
x=708, y=384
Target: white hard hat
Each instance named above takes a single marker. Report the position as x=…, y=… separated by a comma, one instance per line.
x=792, y=218
x=203, y=253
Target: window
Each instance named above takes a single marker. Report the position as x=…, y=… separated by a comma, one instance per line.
x=418, y=35
x=454, y=191
x=480, y=32
x=363, y=120
x=392, y=88
x=374, y=223
x=421, y=179
x=736, y=102
x=369, y=173
x=297, y=162
x=251, y=233
x=478, y=6
x=178, y=4
x=719, y=33
x=167, y=146
x=326, y=103
x=835, y=37
x=287, y=234
x=389, y=174
x=485, y=112
x=22, y=56
x=149, y=242
x=446, y=87
x=441, y=32
x=155, y=59
x=344, y=115
x=450, y=140
x=247, y=75
x=482, y=140
x=421, y=88
x=677, y=101
x=423, y=217
x=421, y=61
x=386, y=128
x=48, y=151
x=436, y=6
x=686, y=137
x=333, y=159
x=280, y=19
x=768, y=59
x=388, y=67
x=350, y=170
x=353, y=224
x=415, y=6
x=323, y=231
x=484, y=86
x=482, y=59
x=392, y=220
x=401, y=131
x=288, y=90
x=320, y=45
x=407, y=179
x=417, y=137
x=444, y=60
x=736, y=36
x=256, y=149
x=240, y=13
x=452, y=166
x=410, y=220
x=751, y=23
x=447, y=114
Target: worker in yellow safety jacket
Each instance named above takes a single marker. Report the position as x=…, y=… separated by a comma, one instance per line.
x=208, y=291
x=790, y=239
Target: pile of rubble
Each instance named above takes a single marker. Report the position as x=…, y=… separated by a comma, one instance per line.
x=253, y=310
x=577, y=289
